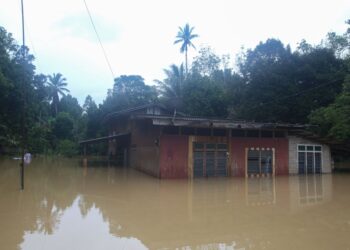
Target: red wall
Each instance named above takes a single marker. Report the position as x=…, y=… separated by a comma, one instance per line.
x=173, y=156
x=237, y=152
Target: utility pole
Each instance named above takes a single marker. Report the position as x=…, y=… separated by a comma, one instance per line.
x=23, y=105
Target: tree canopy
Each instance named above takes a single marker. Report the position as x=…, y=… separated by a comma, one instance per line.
x=269, y=83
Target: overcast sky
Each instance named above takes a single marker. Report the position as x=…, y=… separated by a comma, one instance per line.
x=138, y=35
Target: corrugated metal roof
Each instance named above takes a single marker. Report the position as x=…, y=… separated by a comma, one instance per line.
x=215, y=123
x=130, y=110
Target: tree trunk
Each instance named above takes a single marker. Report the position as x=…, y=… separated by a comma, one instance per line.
x=55, y=101
x=186, y=61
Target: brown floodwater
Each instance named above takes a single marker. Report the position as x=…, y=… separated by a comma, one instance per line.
x=67, y=206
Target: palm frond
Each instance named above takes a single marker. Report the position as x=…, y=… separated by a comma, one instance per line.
x=185, y=36
x=192, y=45
x=61, y=92
x=177, y=41
x=65, y=89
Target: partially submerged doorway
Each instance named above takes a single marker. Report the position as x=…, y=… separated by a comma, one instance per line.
x=209, y=159
x=309, y=159
x=260, y=162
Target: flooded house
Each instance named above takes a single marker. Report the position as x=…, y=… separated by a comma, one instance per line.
x=167, y=144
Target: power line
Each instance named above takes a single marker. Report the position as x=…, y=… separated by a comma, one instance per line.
x=99, y=40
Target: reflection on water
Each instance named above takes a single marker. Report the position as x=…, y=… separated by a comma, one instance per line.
x=260, y=191
x=74, y=222
x=66, y=206
x=311, y=190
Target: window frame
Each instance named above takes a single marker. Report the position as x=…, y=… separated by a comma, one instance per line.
x=313, y=151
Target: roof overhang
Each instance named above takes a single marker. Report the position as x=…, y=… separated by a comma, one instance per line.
x=216, y=123
x=101, y=139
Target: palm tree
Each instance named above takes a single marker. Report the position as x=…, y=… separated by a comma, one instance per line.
x=57, y=83
x=185, y=36
x=171, y=88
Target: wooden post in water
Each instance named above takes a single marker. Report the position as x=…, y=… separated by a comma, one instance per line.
x=23, y=107
x=85, y=157
x=85, y=162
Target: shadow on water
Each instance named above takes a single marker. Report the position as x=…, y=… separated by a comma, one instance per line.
x=65, y=206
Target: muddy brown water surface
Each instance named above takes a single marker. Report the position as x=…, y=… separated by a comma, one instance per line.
x=66, y=206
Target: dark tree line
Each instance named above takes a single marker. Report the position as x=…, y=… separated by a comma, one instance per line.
x=272, y=83
x=52, y=119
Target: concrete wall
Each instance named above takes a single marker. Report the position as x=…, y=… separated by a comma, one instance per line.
x=293, y=154
x=144, y=149
x=145, y=159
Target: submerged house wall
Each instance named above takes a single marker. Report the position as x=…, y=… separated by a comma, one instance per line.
x=238, y=153
x=164, y=147
x=174, y=153
x=144, y=150
x=176, y=160
x=294, y=141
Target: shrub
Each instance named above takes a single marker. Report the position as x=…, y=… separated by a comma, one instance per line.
x=67, y=148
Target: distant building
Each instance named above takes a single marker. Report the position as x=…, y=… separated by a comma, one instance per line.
x=165, y=144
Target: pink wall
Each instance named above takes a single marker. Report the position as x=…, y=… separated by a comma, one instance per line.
x=173, y=157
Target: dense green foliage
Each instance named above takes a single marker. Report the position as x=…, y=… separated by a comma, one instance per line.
x=272, y=83
x=334, y=119
x=33, y=100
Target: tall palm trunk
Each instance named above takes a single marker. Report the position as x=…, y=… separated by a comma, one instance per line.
x=55, y=104
x=186, y=61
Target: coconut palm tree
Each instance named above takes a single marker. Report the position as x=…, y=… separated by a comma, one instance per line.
x=57, y=84
x=185, y=36
x=171, y=88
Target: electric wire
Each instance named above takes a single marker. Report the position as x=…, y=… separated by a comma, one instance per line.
x=99, y=39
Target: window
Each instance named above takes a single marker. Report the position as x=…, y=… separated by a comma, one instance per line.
x=198, y=146
x=209, y=159
x=309, y=159
x=259, y=161
x=210, y=146
x=253, y=161
x=222, y=146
